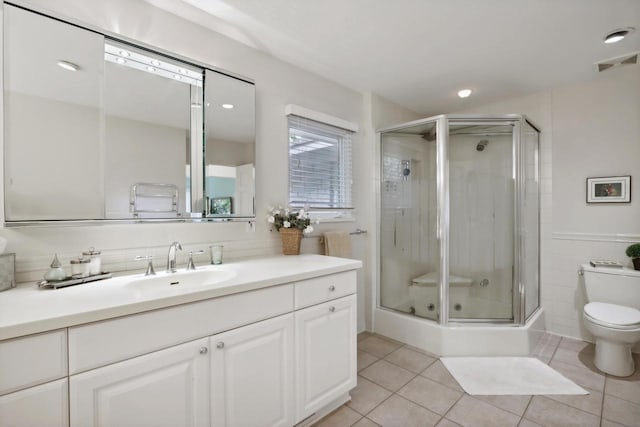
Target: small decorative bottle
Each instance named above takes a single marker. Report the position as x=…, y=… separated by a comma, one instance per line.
x=56, y=273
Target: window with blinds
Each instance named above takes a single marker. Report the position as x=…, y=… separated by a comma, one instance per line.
x=319, y=165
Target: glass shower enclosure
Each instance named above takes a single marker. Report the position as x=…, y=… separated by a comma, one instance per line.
x=459, y=219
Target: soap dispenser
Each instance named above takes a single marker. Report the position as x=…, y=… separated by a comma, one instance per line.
x=56, y=273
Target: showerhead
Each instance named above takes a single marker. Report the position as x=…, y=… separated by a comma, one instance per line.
x=406, y=169
x=482, y=144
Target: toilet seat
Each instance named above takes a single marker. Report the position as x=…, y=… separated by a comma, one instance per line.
x=613, y=315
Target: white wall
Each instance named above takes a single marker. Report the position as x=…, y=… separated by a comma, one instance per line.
x=588, y=129
x=48, y=173
x=129, y=147
x=277, y=84
x=228, y=153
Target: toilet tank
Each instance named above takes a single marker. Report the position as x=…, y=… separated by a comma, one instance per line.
x=613, y=285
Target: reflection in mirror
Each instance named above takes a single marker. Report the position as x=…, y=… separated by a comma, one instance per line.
x=96, y=128
x=229, y=146
x=52, y=119
x=148, y=132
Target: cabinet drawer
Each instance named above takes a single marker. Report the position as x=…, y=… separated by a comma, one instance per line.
x=102, y=343
x=31, y=360
x=45, y=405
x=325, y=288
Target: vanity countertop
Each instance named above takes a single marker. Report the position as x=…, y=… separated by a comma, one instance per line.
x=27, y=309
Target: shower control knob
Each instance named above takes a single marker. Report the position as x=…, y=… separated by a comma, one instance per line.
x=220, y=345
x=204, y=350
x=332, y=309
x=332, y=288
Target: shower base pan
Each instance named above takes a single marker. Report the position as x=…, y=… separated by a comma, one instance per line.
x=458, y=339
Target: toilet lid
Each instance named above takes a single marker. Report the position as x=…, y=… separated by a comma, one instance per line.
x=613, y=314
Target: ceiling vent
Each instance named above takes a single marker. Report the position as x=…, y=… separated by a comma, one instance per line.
x=629, y=59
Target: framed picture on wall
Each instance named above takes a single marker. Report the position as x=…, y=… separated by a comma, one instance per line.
x=609, y=189
x=221, y=206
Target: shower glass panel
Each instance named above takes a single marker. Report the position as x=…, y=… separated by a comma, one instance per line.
x=481, y=234
x=459, y=219
x=409, y=253
x=531, y=218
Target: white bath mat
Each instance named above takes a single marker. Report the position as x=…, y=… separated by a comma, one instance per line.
x=508, y=375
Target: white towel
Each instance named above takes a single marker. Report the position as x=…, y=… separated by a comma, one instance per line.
x=337, y=243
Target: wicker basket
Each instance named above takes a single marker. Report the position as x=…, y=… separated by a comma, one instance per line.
x=291, y=238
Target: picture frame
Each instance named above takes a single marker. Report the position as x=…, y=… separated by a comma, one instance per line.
x=609, y=189
x=221, y=206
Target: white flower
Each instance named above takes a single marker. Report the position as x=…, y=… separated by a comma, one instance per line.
x=286, y=212
x=271, y=220
x=308, y=229
x=286, y=224
x=302, y=214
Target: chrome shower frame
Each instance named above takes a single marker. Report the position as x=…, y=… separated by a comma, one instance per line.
x=442, y=123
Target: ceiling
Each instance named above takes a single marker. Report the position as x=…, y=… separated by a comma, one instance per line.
x=419, y=53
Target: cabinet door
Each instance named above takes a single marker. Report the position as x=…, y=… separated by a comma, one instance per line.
x=45, y=405
x=252, y=375
x=325, y=354
x=166, y=388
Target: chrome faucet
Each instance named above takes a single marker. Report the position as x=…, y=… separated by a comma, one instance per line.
x=171, y=257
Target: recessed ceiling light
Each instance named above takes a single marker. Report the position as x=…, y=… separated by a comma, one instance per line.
x=124, y=53
x=228, y=106
x=70, y=66
x=182, y=71
x=464, y=93
x=150, y=68
x=177, y=77
x=617, y=35
x=155, y=62
x=120, y=60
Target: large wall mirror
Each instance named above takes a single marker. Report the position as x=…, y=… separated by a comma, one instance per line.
x=99, y=129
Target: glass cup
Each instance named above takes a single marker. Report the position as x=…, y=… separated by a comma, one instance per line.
x=216, y=254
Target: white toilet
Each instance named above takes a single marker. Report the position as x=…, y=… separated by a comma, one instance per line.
x=612, y=315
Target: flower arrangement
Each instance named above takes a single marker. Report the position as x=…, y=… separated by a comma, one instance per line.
x=288, y=218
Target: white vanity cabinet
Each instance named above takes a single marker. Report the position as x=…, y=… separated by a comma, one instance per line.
x=325, y=354
x=165, y=388
x=42, y=405
x=33, y=381
x=252, y=375
x=274, y=356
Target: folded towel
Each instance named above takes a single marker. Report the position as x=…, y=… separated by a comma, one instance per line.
x=337, y=243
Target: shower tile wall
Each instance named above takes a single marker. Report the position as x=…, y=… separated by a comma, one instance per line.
x=481, y=233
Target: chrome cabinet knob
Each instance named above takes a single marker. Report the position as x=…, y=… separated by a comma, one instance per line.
x=220, y=345
x=332, y=309
x=204, y=350
x=332, y=288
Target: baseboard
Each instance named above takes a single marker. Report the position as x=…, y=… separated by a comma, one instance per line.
x=321, y=413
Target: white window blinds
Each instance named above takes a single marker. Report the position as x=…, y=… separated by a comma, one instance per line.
x=319, y=165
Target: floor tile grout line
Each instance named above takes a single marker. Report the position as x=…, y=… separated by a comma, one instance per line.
x=568, y=406
x=590, y=390
x=452, y=406
x=400, y=366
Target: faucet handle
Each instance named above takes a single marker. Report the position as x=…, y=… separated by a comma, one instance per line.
x=150, y=271
x=191, y=265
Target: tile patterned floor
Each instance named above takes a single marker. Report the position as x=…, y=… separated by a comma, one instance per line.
x=399, y=385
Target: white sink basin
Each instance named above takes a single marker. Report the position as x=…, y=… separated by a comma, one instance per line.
x=182, y=280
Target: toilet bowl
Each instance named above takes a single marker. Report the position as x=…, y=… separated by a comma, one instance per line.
x=612, y=316
x=616, y=329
